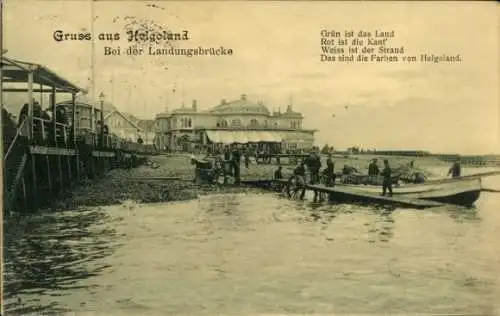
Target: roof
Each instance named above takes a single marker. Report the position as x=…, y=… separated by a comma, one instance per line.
x=183, y=110
x=83, y=100
x=290, y=113
x=131, y=117
x=125, y=117
x=15, y=71
x=241, y=106
x=162, y=115
x=146, y=124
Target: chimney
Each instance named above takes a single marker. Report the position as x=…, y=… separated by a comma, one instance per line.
x=223, y=101
x=243, y=96
x=195, y=106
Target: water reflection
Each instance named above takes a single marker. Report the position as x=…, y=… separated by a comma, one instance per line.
x=49, y=254
x=462, y=214
x=257, y=253
x=380, y=228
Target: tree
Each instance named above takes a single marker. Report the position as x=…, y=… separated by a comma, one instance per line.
x=325, y=150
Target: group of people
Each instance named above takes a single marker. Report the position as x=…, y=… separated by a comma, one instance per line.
x=313, y=165
x=386, y=173
x=228, y=162
x=47, y=115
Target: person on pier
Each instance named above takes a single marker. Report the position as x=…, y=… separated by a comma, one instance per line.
x=387, y=182
x=330, y=172
x=455, y=170
x=314, y=166
x=278, y=175
x=373, y=171
x=300, y=174
x=37, y=111
x=236, y=161
x=247, y=155
x=227, y=153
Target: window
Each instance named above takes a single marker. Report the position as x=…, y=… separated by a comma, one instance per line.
x=236, y=123
x=276, y=125
x=222, y=123
x=189, y=122
x=265, y=123
x=254, y=123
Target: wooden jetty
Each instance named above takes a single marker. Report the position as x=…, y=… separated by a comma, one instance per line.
x=290, y=158
x=47, y=157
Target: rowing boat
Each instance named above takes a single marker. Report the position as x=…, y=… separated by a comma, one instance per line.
x=463, y=190
x=459, y=191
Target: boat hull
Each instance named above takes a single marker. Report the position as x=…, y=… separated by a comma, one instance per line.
x=458, y=191
x=464, y=198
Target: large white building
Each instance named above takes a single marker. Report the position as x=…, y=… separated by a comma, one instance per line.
x=239, y=121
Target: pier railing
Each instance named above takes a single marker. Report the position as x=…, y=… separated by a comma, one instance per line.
x=43, y=133
x=113, y=142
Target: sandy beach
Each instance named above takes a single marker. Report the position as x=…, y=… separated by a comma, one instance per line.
x=135, y=184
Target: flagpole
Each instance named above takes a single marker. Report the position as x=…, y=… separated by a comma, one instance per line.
x=113, y=85
x=92, y=61
x=183, y=95
x=166, y=102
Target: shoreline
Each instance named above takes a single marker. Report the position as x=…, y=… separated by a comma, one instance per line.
x=120, y=185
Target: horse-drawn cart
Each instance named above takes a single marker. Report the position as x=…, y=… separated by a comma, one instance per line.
x=211, y=170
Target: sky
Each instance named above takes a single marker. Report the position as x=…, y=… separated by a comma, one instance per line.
x=448, y=108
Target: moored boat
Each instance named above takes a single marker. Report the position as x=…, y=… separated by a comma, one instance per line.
x=460, y=191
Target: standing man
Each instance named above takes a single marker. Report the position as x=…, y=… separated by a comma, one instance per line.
x=278, y=175
x=236, y=164
x=247, y=157
x=386, y=173
x=330, y=171
x=373, y=171
x=373, y=168
x=455, y=170
x=314, y=165
x=300, y=174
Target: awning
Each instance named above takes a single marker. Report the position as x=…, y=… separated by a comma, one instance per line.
x=295, y=137
x=272, y=137
x=243, y=137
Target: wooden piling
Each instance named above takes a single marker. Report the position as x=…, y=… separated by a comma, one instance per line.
x=70, y=176
x=61, y=182
x=34, y=190
x=25, y=198
x=77, y=160
x=49, y=173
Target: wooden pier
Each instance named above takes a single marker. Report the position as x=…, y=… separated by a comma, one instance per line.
x=48, y=157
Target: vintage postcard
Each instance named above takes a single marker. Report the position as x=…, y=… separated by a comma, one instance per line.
x=250, y=158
